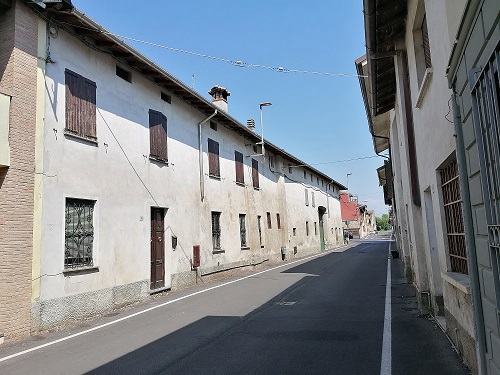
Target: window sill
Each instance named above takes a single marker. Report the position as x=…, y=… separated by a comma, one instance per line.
x=218, y=251
x=245, y=248
x=256, y=188
x=80, y=270
x=212, y=176
x=458, y=280
x=158, y=160
x=423, y=87
x=242, y=184
x=69, y=134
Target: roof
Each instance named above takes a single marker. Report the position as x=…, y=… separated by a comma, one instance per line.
x=84, y=28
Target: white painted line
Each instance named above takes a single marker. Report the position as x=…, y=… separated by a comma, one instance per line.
x=157, y=307
x=386, y=362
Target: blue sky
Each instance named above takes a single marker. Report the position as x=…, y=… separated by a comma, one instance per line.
x=318, y=118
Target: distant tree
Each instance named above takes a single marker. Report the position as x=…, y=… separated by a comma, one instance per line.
x=383, y=222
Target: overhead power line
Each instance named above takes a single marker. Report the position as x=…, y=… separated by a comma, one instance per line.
x=237, y=63
x=332, y=162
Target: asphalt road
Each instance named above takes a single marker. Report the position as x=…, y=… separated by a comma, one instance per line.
x=320, y=315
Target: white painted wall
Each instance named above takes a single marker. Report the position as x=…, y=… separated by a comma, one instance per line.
x=124, y=197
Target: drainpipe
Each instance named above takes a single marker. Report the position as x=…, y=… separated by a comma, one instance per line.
x=469, y=237
x=200, y=153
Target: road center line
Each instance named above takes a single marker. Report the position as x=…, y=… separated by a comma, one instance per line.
x=386, y=362
x=157, y=307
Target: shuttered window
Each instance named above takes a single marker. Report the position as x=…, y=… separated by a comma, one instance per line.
x=278, y=221
x=425, y=42
x=255, y=173
x=213, y=158
x=238, y=162
x=158, y=135
x=80, y=105
x=269, y=223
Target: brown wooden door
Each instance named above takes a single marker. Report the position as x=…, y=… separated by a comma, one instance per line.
x=157, y=248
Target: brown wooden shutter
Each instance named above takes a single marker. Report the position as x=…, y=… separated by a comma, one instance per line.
x=80, y=105
x=213, y=158
x=255, y=173
x=238, y=159
x=158, y=135
x=425, y=42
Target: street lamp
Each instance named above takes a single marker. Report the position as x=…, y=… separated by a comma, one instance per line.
x=348, y=180
x=266, y=104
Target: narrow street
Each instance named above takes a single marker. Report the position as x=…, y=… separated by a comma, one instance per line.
x=319, y=315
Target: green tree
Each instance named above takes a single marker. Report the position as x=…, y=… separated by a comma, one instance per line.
x=383, y=222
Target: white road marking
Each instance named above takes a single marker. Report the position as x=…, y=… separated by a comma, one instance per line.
x=386, y=363
x=156, y=307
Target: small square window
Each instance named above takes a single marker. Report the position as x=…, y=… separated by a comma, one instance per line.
x=124, y=74
x=166, y=98
x=213, y=125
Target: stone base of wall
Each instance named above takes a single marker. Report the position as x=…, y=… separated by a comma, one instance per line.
x=464, y=343
x=59, y=311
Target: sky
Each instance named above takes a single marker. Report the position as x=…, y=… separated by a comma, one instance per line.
x=318, y=118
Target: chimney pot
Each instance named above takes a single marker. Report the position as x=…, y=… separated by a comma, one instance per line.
x=219, y=97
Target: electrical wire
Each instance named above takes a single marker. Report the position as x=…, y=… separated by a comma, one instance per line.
x=126, y=156
x=237, y=63
x=332, y=162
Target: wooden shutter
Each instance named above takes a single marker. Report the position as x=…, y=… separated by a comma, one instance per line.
x=425, y=42
x=255, y=173
x=80, y=105
x=238, y=161
x=213, y=158
x=158, y=135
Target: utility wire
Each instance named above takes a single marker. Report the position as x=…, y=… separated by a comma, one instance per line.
x=237, y=63
x=332, y=162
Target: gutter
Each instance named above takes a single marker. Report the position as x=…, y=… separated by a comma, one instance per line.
x=200, y=155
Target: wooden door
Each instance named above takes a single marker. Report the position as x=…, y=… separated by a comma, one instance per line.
x=157, y=248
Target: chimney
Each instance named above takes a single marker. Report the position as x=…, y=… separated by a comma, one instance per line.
x=219, y=97
x=251, y=124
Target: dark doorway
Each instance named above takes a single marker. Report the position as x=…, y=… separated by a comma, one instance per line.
x=321, y=213
x=157, y=248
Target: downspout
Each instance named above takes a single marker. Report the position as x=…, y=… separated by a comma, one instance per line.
x=200, y=155
x=469, y=237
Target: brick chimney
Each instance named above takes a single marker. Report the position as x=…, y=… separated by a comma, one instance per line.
x=219, y=97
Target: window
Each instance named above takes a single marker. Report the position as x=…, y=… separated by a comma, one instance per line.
x=166, y=98
x=80, y=105
x=271, y=161
x=124, y=74
x=322, y=183
x=278, y=221
x=213, y=158
x=79, y=233
x=315, y=228
x=243, y=231
x=260, y=231
x=425, y=44
x=421, y=44
x=305, y=175
x=317, y=180
x=269, y=224
x=157, y=136
x=213, y=125
x=306, y=197
x=307, y=228
x=216, y=230
x=294, y=230
x=255, y=173
x=311, y=177
x=289, y=169
x=313, y=201
x=238, y=162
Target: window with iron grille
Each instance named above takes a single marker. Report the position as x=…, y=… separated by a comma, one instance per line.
x=260, y=231
x=307, y=228
x=255, y=173
x=278, y=221
x=269, y=223
x=80, y=106
x=452, y=203
x=485, y=90
x=216, y=230
x=243, y=231
x=158, y=136
x=213, y=158
x=79, y=233
x=238, y=163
